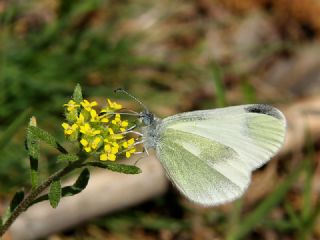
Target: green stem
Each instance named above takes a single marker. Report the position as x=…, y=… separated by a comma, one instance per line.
x=23, y=206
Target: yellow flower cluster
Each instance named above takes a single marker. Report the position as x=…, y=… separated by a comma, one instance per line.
x=103, y=133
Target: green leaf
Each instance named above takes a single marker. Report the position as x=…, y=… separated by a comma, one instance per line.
x=6, y=215
x=11, y=130
x=77, y=94
x=55, y=193
x=67, y=158
x=310, y=223
x=46, y=137
x=16, y=200
x=248, y=92
x=234, y=219
x=33, y=147
x=252, y=219
x=76, y=188
x=217, y=75
x=79, y=185
x=116, y=167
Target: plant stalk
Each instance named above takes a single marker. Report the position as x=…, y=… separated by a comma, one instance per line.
x=32, y=195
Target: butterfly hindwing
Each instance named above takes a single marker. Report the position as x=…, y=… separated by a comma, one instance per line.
x=206, y=171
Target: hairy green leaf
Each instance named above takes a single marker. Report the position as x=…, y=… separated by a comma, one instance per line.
x=33, y=147
x=68, y=158
x=46, y=137
x=55, y=193
x=77, y=187
x=77, y=94
x=116, y=167
x=16, y=200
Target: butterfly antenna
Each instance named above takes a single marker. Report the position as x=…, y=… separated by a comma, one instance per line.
x=133, y=97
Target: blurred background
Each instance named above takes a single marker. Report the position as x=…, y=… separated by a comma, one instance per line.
x=175, y=56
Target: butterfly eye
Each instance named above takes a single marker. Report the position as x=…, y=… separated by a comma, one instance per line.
x=147, y=118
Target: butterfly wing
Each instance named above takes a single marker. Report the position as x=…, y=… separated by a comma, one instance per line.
x=209, y=155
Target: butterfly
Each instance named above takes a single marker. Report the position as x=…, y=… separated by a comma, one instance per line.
x=209, y=155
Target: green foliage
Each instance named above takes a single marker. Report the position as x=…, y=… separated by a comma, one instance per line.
x=40, y=67
x=14, y=169
x=67, y=157
x=46, y=137
x=33, y=148
x=116, y=167
x=13, y=127
x=248, y=92
x=260, y=212
x=77, y=187
x=10, y=164
x=77, y=94
x=41, y=64
x=34, y=136
x=55, y=193
x=16, y=200
x=126, y=221
x=217, y=77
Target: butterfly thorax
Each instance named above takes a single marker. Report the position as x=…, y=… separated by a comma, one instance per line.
x=150, y=130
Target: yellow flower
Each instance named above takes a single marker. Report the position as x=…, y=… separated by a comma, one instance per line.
x=88, y=105
x=122, y=124
x=80, y=120
x=87, y=130
x=95, y=143
x=129, y=152
x=94, y=116
x=117, y=119
x=128, y=143
x=103, y=119
x=111, y=132
x=110, y=152
x=129, y=146
x=114, y=105
x=89, y=146
x=113, y=143
x=68, y=130
x=71, y=105
x=111, y=107
x=86, y=145
x=101, y=132
x=114, y=136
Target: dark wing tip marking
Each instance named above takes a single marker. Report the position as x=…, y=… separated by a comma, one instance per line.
x=264, y=109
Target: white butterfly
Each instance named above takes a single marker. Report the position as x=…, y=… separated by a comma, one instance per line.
x=209, y=155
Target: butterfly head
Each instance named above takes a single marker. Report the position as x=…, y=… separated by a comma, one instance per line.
x=147, y=117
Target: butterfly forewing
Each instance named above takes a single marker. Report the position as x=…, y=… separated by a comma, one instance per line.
x=209, y=155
